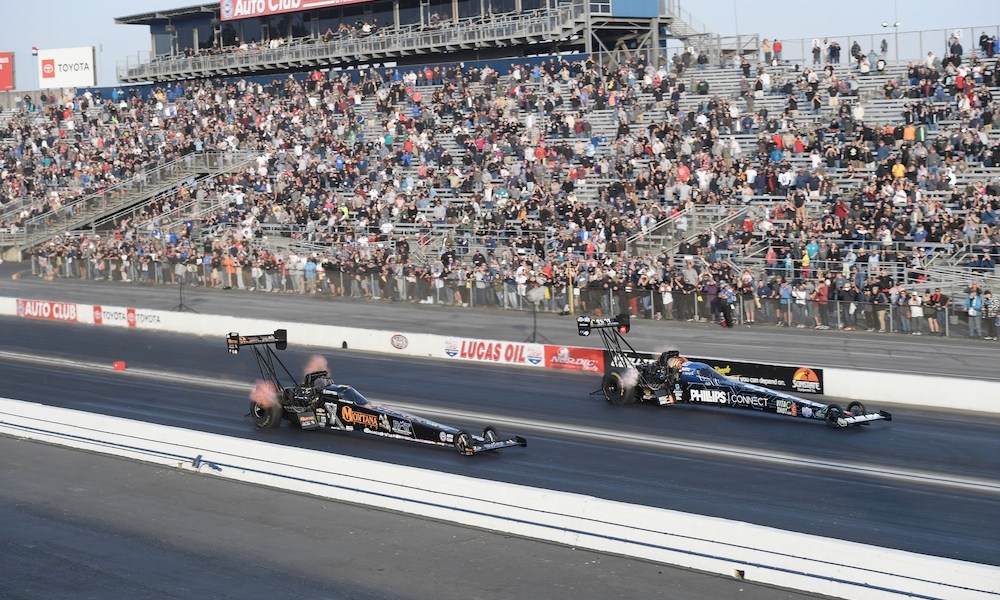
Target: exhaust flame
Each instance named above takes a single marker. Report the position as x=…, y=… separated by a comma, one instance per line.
x=264, y=394
x=315, y=363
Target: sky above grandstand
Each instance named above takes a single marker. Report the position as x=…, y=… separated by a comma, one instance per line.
x=70, y=23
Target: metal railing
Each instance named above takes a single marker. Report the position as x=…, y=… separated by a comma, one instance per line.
x=147, y=183
x=888, y=316
x=387, y=43
x=900, y=45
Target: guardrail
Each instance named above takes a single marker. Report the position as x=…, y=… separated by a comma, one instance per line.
x=751, y=552
x=912, y=390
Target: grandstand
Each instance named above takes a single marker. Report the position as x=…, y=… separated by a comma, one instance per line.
x=450, y=154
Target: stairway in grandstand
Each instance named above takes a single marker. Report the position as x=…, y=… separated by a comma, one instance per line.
x=89, y=209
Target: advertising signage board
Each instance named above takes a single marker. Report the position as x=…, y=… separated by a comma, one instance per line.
x=67, y=67
x=7, y=81
x=230, y=10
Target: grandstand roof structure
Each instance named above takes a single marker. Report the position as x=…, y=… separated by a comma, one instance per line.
x=199, y=41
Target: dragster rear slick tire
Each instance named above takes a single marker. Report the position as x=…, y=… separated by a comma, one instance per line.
x=616, y=390
x=266, y=417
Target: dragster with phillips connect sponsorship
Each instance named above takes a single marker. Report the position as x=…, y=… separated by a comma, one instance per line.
x=320, y=403
x=670, y=378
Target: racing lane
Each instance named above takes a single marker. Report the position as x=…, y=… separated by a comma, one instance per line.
x=785, y=491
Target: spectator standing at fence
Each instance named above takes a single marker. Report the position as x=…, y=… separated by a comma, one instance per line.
x=991, y=312
x=943, y=304
x=880, y=303
x=916, y=310
x=821, y=297
x=727, y=297
x=974, y=309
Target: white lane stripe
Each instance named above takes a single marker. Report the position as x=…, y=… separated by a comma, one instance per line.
x=727, y=451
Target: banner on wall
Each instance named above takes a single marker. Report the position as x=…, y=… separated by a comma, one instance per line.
x=230, y=10
x=116, y=316
x=7, y=81
x=489, y=351
x=574, y=358
x=67, y=67
x=48, y=310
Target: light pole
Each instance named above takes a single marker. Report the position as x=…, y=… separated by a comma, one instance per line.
x=895, y=28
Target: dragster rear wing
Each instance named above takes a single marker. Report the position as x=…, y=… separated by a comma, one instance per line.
x=235, y=341
x=584, y=324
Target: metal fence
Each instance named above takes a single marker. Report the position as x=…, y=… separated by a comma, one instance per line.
x=898, y=45
x=948, y=320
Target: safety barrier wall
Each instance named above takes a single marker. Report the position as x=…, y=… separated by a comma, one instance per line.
x=760, y=554
x=907, y=389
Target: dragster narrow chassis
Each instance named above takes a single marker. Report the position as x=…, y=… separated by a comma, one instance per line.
x=319, y=403
x=670, y=378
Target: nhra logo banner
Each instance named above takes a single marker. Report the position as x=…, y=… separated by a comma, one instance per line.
x=508, y=353
x=573, y=358
x=44, y=309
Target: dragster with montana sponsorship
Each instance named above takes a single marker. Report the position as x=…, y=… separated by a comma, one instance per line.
x=320, y=403
x=671, y=378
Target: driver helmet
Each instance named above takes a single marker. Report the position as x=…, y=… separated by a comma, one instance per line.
x=666, y=356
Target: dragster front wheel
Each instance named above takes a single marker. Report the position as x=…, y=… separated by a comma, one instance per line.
x=833, y=414
x=490, y=435
x=855, y=409
x=463, y=443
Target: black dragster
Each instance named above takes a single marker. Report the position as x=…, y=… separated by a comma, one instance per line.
x=320, y=403
x=670, y=378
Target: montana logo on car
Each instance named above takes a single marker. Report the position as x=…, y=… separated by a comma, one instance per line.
x=349, y=415
x=399, y=341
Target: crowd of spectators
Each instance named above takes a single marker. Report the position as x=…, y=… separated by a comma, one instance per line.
x=465, y=185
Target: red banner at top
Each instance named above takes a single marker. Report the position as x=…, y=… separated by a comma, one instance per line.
x=231, y=10
x=6, y=71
